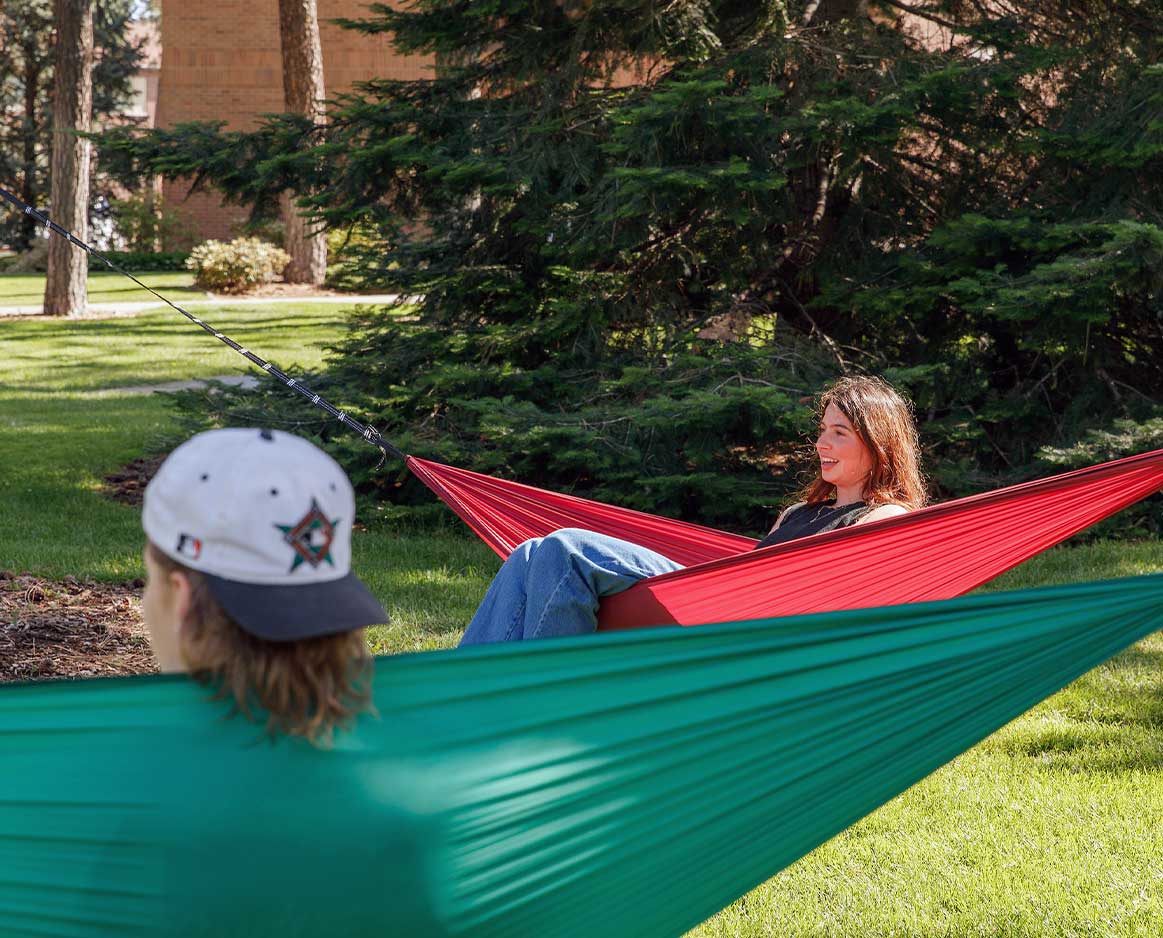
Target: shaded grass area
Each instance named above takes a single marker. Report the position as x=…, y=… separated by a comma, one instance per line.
x=1048, y=828
x=104, y=287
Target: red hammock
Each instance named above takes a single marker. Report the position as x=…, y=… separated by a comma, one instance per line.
x=935, y=553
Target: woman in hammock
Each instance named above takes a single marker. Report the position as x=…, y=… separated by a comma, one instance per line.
x=869, y=469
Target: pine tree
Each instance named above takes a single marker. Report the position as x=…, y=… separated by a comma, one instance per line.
x=642, y=237
x=26, y=66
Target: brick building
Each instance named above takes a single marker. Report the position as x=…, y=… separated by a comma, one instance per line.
x=142, y=105
x=221, y=60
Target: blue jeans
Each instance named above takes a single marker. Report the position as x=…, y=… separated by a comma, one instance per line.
x=550, y=586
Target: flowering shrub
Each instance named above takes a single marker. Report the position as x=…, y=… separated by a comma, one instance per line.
x=236, y=266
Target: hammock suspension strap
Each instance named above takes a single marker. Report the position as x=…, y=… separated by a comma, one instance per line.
x=369, y=433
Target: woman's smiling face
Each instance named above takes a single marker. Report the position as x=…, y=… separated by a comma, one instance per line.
x=845, y=461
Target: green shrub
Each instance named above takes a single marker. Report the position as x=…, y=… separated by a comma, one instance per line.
x=717, y=433
x=236, y=266
x=148, y=225
x=143, y=260
x=983, y=230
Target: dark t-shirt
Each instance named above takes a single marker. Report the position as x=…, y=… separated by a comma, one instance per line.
x=814, y=519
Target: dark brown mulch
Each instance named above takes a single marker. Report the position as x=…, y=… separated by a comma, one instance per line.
x=127, y=484
x=69, y=628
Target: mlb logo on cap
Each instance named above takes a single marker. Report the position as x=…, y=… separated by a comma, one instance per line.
x=189, y=547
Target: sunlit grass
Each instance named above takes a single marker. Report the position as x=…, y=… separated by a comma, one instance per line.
x=1104, y=560
x=431, y=586
x=1048, y=828
x=50, y=356
x=104, y=287
x=61, y=431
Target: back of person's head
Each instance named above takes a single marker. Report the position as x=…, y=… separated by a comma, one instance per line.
x=251, y=589
x=884, y=421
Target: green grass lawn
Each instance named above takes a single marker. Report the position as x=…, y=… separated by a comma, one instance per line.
x=1048, y=828
x=104, y=287
x=62, y=431
x=55, y=356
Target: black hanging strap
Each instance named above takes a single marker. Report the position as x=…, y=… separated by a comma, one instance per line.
x=369, y=433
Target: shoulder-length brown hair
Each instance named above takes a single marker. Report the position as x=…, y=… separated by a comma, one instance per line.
x=306, y=688
x=884, y=422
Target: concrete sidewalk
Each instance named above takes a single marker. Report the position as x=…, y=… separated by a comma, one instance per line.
x=236, y=381
x=130, y=309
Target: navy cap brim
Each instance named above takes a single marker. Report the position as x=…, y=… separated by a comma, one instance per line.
x=291, y=613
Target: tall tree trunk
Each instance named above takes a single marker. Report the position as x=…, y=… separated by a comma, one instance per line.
x=29, y=189
x=65, y=288
x=303, y=93
x=154, y=197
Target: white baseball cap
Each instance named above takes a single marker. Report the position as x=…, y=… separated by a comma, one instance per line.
x=266, y=518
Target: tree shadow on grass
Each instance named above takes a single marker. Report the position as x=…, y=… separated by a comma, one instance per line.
x=256, y=316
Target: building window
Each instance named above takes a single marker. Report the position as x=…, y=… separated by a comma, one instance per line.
x=138, y=105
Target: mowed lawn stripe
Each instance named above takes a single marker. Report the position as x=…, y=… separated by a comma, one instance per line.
x=105, y=286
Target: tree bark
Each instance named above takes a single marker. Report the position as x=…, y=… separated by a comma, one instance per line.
x=68, y=268
x=29, y=187
x=303, y=93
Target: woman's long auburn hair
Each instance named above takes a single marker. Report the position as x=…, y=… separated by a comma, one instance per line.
x=308, y=688
x=884, y=422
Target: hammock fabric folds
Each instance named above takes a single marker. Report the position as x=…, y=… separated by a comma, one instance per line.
x=936, y=553
x=639, y=780
x=504, y=514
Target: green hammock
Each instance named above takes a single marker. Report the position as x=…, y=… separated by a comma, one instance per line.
x=632, y=783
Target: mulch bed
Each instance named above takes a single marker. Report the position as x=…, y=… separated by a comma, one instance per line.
x=70, y=628
x=127, y=484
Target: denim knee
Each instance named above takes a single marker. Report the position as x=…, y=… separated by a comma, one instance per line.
x=554, y=551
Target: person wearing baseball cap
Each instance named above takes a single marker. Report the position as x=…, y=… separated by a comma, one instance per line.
x=249, y=587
